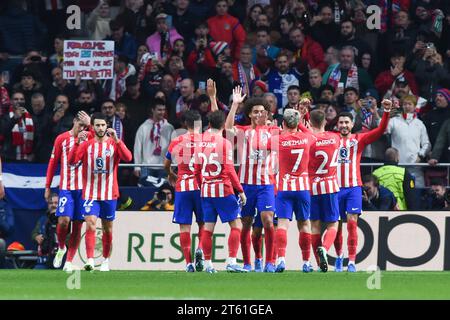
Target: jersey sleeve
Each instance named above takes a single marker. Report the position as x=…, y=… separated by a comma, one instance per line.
x=375, y=134
x=229, y=167
x=123, y=152
x=54, y=160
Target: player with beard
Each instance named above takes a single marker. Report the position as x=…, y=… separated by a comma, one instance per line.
x=100, y=158
x=351, y=147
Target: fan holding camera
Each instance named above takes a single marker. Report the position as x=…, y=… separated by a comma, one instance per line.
x=163, y=200
x=437, y=197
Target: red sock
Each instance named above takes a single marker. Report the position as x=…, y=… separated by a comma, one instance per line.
x=281, y=242
x=338, y=242
x=207, y=244
x=269, y=241
x=107, y=244
x=245, y=245
x=200, y=235
x=352, y=239
x=329, y=237
x=74, y=241
x=185, y=242
x=305, y=245
x=257, y=245
x=61, y=234
x=316, y=242
x=233, y=242
x=90, y=243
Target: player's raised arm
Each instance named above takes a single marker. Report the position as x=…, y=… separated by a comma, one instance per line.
x=303, y=107
x=375, y=134
x=123, y=152
x=238, y=98
x=54, y=160
x=212, y=94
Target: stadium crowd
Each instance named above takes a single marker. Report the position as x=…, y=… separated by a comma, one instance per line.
x=282, y=50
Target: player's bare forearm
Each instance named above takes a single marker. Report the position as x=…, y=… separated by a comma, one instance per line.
x=229, y=122
x=168, y=166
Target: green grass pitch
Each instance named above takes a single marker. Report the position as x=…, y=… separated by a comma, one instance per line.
x=43, y=284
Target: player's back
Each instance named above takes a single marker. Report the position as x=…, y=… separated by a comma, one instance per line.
x=215, y=159
x=70, y=175
x=293, y=158
x=182, y=151
x=323, y=163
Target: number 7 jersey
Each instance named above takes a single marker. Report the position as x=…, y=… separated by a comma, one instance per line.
x=323, y=163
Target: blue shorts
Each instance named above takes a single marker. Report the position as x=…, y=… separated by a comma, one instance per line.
x=289, y=202
x=104, y=209
x=186, y=203
x=227, y=208
x=350, y=201
x=70, y=204
x=325, y=207
x=259, y=198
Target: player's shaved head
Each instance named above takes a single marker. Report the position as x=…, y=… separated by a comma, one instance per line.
x=392, y=155
x=291, y=118
x=216, y=119
x=317, y=118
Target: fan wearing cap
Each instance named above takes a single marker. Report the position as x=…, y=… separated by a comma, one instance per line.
x=385, y=81
x=258, y=89
x=124, y=43
x=435, y=118
x=161, y=42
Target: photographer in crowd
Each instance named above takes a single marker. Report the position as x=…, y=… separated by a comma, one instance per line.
x=376, y=197
x=437, y=197
x=44, y=233
x=163, y=200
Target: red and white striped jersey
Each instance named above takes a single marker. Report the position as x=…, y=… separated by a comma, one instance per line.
x=256, y=161
x=100, y=161
x=181, y=151
x=293, y=159
x=214, y=167
x=350, y=152
x=70, y=175
x=323, y=163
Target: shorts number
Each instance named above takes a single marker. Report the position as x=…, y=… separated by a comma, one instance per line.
x=88, y=203
x=62, y=201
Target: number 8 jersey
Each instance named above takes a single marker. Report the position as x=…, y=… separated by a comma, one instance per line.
x=214, y=167
x=323, y=163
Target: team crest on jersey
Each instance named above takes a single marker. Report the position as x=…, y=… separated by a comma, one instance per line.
x=87, y=209
x=353, y=143
x=108, y=153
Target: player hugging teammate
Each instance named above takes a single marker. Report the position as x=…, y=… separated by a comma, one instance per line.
x=306, y=171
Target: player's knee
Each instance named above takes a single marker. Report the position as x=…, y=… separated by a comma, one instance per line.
x=352, y=217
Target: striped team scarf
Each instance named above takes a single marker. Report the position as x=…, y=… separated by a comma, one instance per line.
x=22, y=135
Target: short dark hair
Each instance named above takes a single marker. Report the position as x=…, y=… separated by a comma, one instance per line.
x=294, y=87
x=317, y=117
x=288, y=17
x=108, y=100
x=189, y=117
x=351, y=89
x=437, y=182
x=216, y=119
x=370, y=178
x=157, y=102
x=98, y=116
x=348, y=20
x=263, y=29
x=325, y=87
x=345, y=114
x=250, y=103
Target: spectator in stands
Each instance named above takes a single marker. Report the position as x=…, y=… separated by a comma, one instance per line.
x=124, y=43
x=86, y=102
x=332, y=56
x=168, y=87
x=244, y=71
x=348, y=39
x=135, y=101
x=409, y=136
x=347, y=73
x=114, y=88
x=281, y=78
x=385, y=81
x=306, y=50
x=434, y=118
x=98, y=22
x=41, y=120
x=163, y=199
x=128, y=123
x=431, y=72
x=323, y=28
x=263, y=53
x=224, y=27
x=109, y=110
x=402, y=35
x=272, y=101
x=326, y=92
x=286, y=23
x=57, y=58
x=376, y=197
x=201, y=61
x=397, y=180
x=161, y=42
x=435, y=199
x=175, y=67
x=186, y=101
x=315, y=82
x=17, y=130
x=183, y=18
x=252, y=17
x=44, y=234
x=293, y=97
x=61, y=86
x=441, y=148
x=152, y=140
x=224, y=80
x=28, y=86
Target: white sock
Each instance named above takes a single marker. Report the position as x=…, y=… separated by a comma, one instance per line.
x=106, y=260
x=208, y=264
x=231, y=261
x=351, y=262
x=306, y=262
x=281, y=259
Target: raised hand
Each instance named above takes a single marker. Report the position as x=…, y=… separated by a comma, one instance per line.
x=84, y=118
x=238, y=97
x=387, y=105
x=112, y=133
x=211, y=88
